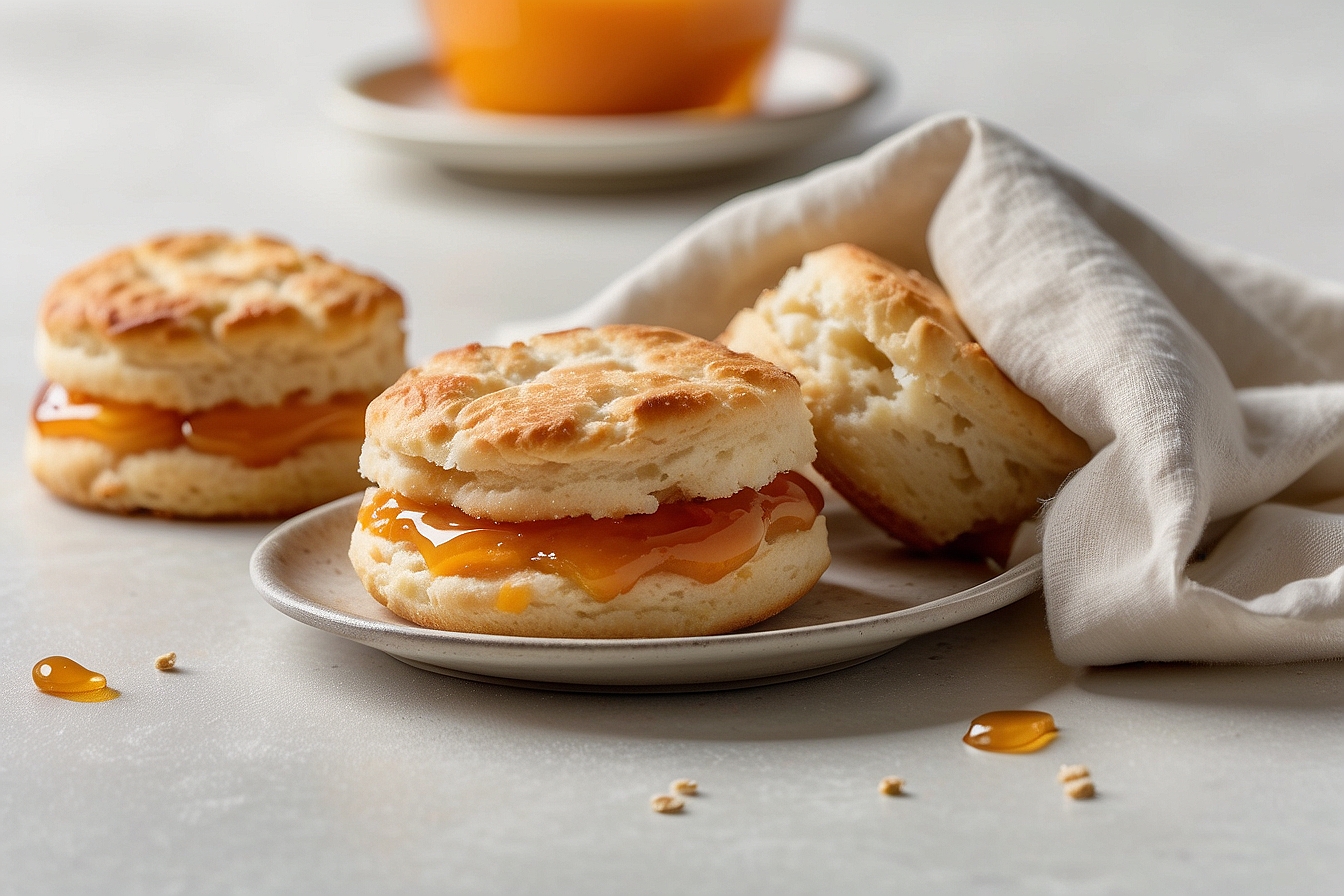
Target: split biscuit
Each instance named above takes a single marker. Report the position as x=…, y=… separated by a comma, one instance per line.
x=603, y=422
x=596, y=429
x=915, y=424
x=207, y=375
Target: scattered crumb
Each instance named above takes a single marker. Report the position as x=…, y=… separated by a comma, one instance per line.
x=1069, y=773
x=685, y=787
x=891, y=785
x=1080, y=789
x=667, y=804
x=166, y=662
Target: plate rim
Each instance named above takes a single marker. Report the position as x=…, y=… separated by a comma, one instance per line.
x=1026, y=576
x=353, y=109
x=680, y=687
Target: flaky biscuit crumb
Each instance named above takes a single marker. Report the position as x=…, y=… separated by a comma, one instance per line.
x=891, y=785
x=1069, y=773
x=1080, y=789
x=166, y=662
x=667, y=804
x=916, y=426
x=685, y=787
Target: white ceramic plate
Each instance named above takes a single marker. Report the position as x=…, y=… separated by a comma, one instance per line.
x=812, y=87
x=874, y=597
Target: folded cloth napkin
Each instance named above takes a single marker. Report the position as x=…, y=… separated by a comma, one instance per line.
x=1209, y=525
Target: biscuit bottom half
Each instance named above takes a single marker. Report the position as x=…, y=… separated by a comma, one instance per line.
x=186, y=483
x=533, y=602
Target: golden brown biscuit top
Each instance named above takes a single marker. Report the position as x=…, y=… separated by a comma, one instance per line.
x=566, y=396
x=898, y=296
x=210, y=287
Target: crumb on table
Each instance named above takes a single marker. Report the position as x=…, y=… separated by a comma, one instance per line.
x=891, y=785
x=666, y=803
x=166, y=662
x=1080, y=789
x=1069, y=773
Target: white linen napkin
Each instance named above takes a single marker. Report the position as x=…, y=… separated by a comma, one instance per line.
x=1209, y=525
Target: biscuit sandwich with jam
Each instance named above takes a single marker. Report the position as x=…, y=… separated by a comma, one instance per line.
x=618, y=482
x=207, y=375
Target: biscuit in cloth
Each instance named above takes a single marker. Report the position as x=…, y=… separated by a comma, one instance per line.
x=191, y=324
x=587, y=425
x=915, y=424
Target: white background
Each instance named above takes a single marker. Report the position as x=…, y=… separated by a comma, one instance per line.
x=281, y=759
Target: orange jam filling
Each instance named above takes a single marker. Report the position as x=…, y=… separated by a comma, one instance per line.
x=704, y=540
x=255, y=436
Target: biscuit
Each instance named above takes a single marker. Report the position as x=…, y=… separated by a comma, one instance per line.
x=660, y=605
x=621, y=426
x=603, y=422
x=915, y=424
x=209, y=327
x=193, y=321
x=185, y=483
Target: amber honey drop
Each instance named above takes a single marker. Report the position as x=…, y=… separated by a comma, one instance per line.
x=66, y=678
x=1011, y=731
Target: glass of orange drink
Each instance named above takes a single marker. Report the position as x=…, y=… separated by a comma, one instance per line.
x=603, y=57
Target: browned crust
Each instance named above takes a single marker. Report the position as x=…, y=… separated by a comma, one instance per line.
x=882, y=516
x=572, y=393
x=986, y=538
x=203, y=287
x=900, y=296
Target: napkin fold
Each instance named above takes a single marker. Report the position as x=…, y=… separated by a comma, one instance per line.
x=1209, y=524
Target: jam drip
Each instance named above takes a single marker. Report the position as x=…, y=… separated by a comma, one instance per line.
x=703, y=540
x=255, y=436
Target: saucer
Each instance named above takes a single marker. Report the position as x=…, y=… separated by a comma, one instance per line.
x=812, y=87
x=873, y=597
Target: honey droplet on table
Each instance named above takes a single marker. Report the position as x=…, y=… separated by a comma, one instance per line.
x=63, y=677
x=1011, y=731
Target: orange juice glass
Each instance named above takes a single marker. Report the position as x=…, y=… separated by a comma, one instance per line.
x=603, y=57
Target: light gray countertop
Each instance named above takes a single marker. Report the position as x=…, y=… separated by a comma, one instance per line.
x=280, y=759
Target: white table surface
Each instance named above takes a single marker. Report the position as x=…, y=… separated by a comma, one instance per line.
x=283, y=760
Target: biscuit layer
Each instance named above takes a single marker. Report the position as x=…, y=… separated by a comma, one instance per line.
x=915, y=424
x=192, y=321
x=660, y=605
x=602, y=422
x=186, y=483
